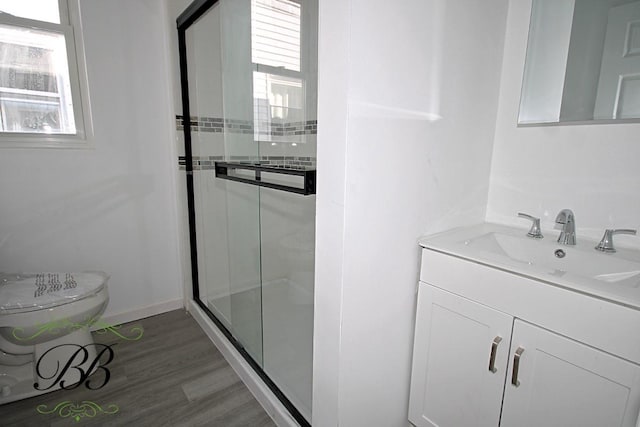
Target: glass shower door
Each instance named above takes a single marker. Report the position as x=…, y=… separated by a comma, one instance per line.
x=243, y=201
x=284, y=85
x=251, y=68
x=226, y=212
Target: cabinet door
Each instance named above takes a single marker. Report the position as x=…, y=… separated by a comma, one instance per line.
x=451, y=383
x=564, y=383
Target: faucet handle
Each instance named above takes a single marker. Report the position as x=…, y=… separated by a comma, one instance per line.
x=606, y=244
x=534, y=231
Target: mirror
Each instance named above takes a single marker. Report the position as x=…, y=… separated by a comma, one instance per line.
x=582, y=63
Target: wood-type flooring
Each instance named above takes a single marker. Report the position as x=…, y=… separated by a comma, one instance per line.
x=171, y=376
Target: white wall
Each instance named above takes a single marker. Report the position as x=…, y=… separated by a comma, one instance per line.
x=173, y=9
x=111, y=208
x=404, y=143
x=591, y=169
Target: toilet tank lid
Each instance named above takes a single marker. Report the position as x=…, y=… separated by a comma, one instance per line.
x=35, y=291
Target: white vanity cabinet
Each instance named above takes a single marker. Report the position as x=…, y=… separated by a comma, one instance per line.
x=451, y=382
x=561, y=382
x=510, y=364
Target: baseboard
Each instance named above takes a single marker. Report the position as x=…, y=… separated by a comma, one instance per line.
x=140, y=313
x=260, y=391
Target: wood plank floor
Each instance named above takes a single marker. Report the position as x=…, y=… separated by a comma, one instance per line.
x=172, y=376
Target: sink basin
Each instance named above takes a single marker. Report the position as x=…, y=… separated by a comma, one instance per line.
x=572, y=259
x=615, y=277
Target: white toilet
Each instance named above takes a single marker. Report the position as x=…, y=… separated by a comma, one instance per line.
x=44, y=324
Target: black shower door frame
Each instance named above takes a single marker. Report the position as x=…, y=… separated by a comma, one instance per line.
x=190, y=15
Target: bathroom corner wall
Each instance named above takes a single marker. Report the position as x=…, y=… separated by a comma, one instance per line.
x=591, y=169
x=173, y=9
x=113, y=207
x=404, y=149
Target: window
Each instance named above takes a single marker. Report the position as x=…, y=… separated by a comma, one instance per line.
x=42, y=100
x=275, y=33
x=278, y=84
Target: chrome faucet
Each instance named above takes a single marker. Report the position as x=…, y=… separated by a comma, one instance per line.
x=568, y=234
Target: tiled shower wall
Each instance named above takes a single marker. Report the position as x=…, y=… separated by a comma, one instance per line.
x=269, y=134
x=258, y=128
x=287, y=162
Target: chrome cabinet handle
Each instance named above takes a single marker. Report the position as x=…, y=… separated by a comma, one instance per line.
x=516, y=367
x=534, y=231
x=494, y=350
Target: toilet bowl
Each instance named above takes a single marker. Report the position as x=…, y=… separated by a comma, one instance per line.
x=44, y=326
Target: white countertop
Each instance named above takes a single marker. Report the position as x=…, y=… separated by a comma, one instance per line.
x=613, y=277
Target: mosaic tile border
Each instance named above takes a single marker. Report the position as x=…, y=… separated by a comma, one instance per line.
x=286, y=162
x=260, y=127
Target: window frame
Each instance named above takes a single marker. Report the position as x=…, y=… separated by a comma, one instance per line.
x=71, y=28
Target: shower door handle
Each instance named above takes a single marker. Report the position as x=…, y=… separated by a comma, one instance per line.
x=224, y=171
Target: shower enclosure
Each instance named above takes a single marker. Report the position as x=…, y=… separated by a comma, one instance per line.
x=249, y=77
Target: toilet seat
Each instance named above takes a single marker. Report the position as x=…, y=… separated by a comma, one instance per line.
x=21, y=293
